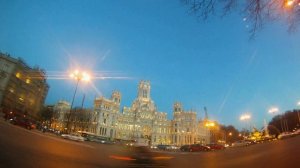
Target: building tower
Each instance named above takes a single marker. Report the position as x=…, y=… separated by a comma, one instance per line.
x=177, y=107
x=144, y=90
x=116, y=97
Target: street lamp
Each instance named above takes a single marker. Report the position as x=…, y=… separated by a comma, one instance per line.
x=298, y=104
x=78, y=76
x=210, y=125
x=289, y=3
x=246, y=117
x=273, y=110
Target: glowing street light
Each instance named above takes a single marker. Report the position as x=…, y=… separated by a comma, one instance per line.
x=210, y=124
x=273, y=110
x=78, y=76
x=289, y=3
x=245, y=117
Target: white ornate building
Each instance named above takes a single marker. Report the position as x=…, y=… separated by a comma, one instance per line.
x=142, y=120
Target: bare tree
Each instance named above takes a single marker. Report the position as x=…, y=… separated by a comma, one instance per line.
x=257, y=12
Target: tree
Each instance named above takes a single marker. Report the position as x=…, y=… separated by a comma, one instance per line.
x=286, y=122
x=46, y=113
x=231, y=133
x=80, y=119
x=257, y=12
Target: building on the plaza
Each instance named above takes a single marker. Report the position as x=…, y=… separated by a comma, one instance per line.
x=216, y=134
x=203, y=133
x=184, y=126
x=76, y=119
x=143, y=120
x=60, y=111
x=80, y=119
x=23, y=89
x=105, y=114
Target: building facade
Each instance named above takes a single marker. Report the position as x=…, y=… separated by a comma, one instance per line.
x=143, y=120
x=60, y=111
x=23, y=89
x=75, y=119
x=105, y=114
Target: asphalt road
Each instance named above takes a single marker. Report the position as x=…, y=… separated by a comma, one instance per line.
x=24, y=148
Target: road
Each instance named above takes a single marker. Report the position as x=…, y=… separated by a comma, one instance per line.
x=24, y=148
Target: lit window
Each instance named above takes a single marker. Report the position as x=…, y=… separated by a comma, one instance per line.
x=18, y=75
x=27, y=81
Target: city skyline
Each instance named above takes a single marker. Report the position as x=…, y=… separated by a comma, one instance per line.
x=185, y=60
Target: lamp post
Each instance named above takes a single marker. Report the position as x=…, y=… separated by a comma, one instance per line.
x=78, y=76
x=210, y=125
x=298, y=104
x=274, y=110
x=246, y=117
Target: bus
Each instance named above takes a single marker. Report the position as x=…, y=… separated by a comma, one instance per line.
x=89, y=136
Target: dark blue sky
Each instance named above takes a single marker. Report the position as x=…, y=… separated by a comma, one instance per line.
x=210, y=63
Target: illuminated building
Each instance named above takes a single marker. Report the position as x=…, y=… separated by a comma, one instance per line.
x=22, y=89
x=60, y=109
x=104, y=120
x=143, y=120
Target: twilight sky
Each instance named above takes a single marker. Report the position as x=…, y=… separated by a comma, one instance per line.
x=198, y=63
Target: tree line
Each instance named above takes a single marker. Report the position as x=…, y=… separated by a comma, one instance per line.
x=286, y=122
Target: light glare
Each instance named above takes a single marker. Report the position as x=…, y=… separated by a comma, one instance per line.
x=245, y=117
x=289, y=3
x=273, y=110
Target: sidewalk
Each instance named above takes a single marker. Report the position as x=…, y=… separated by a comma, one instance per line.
x=2, y=121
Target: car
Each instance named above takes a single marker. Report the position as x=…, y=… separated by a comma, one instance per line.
x=252, y=142
x=297, y=132
x=23, y=122
x=94, y=138
x=198, y=147
x=153, y=147
x=163, y=147
x=185, y=148
x=73, y=137
x=216, y=146
x=240, y=143
x=172, y=147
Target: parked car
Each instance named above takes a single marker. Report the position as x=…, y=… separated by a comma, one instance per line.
x=98, y=139
x=198, y=147
x=23, y=122
x=185, y=148
x=251, y=142
x=297, y=132
x=240, y=143
x=163, y=147
x=216, y=146
x=73, y=137
x=173, y=147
